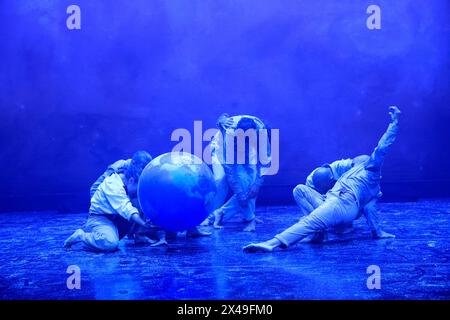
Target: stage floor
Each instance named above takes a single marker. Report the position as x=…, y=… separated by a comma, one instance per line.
x=415, y=265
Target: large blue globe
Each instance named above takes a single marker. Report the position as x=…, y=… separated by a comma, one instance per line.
x=176, y=191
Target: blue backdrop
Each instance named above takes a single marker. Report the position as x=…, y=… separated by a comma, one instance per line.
x=73, y=101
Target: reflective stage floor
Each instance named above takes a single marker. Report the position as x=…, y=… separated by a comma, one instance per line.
x=415, y=265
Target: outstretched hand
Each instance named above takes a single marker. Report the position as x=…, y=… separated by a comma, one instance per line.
x=224, y=121
x=394, y=112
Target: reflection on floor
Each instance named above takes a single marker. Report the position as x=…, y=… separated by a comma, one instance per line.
x=415, y=265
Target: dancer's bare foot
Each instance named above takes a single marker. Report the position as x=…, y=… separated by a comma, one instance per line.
x=251, y=227
x=266, y=246
x=77, y=236
x=160, y=242
x=218, y=215
x=382, y=235
x=141, y=239
x=197, y=232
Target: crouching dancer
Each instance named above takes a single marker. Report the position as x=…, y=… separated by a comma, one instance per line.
x=111, y=213
x=357, y=190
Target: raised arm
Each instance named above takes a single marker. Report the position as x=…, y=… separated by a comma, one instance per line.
x=388, y=138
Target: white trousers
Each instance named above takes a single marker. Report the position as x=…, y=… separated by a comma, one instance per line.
x=221, y=184
x=307, y=198
x=232, y=206
x=100, y=234
x=336, y=211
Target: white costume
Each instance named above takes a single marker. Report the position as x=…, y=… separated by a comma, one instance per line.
x=306, y=195
x=110, y=209
x=237, y=177
x=112, y=168
x=358, y=189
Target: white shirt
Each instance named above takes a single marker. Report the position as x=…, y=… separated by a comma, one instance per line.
x=111, y=198
x=364, y=179
x=116, y=166
x=218, y=144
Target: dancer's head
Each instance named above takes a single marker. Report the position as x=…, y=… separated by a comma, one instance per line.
x=246, y=124
x=132, y=173
x=323, y=179
x=140, y=159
